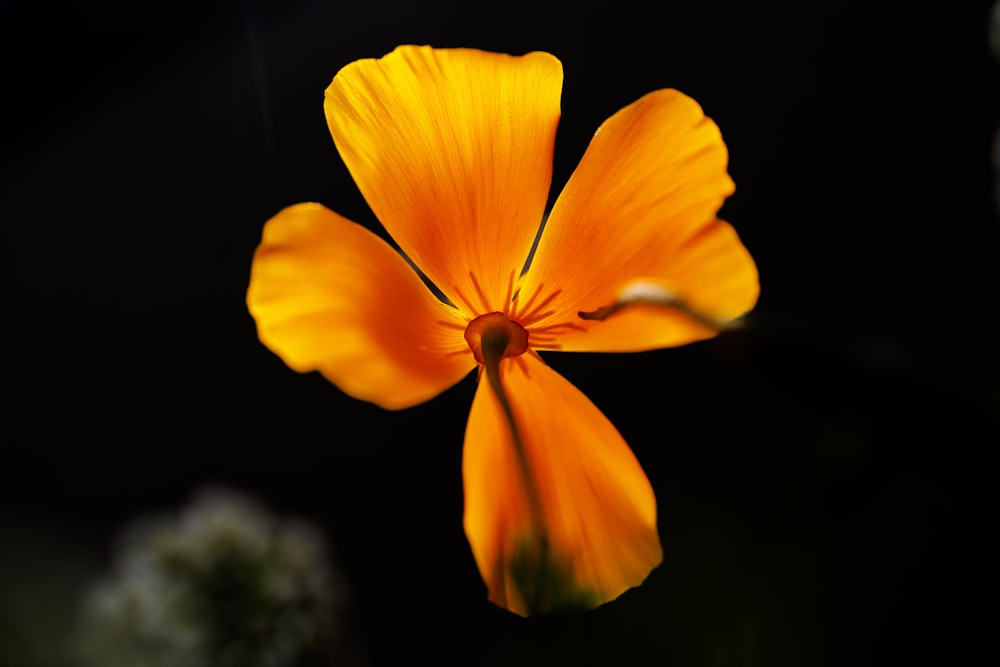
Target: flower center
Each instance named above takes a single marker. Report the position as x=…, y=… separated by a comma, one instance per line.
x=496, y=336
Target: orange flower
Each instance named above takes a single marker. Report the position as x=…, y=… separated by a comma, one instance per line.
x=452, y=149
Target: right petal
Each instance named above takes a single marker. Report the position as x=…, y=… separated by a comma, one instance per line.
x=640, y=208
x=328, y=295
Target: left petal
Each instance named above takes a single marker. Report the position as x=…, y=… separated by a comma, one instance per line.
x=328, y=295
x=572, y=523
x=452, y=149
x=640, y=207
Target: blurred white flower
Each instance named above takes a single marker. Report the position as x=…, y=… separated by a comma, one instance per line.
x=224, y=584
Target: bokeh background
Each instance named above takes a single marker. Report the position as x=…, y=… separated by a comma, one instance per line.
x=823, y=481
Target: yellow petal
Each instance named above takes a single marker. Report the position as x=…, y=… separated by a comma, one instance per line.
x=329, y=295
x=575, y=523
x=452, y=149
x=640, y=207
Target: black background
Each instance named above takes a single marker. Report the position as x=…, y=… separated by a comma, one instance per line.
x=822, y=476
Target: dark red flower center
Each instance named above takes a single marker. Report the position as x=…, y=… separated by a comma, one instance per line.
x=496, y=336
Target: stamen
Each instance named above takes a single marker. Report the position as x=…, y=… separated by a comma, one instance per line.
x=483, y=301
x=549, y=328
x=509, y=298
x=529, y=311
x=461, y=302
x=449, y=324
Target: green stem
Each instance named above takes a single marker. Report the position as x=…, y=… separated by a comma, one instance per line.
x=604, y=312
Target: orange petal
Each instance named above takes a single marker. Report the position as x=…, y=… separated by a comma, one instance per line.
x=452, y=149
x=329, y=295
x=641, y=206
x=587, y=532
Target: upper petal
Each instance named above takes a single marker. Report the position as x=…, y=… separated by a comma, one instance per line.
x=575, y=523
x=641, y=206
x=452, y=149
x=329, y=295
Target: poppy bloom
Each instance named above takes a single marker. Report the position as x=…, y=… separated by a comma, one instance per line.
x=452, y=149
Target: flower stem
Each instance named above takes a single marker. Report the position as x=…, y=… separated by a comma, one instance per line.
x=494, y=343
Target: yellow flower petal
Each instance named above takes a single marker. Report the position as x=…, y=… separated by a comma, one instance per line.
x=587, y=531
x=452, y=149
x=640, y=207
x=329, y=295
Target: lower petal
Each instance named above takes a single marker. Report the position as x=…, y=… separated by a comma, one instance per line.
x=563, y=515
x=329, y=295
